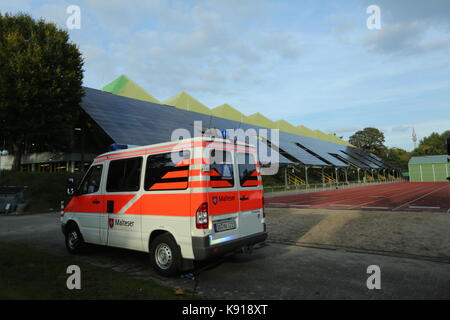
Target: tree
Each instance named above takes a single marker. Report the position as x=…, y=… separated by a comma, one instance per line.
x=434, y=144
x=369, y=139
x=397, y=157
x=40, y=85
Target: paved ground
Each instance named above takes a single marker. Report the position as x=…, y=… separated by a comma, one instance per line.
x=275, y=271
x=422, y=234
x=398, y=196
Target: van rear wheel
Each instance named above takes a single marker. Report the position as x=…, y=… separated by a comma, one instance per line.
x=165, y=255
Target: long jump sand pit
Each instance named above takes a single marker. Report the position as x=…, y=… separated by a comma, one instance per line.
x=425, y=234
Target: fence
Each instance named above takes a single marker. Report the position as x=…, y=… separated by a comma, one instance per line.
x=323, y=187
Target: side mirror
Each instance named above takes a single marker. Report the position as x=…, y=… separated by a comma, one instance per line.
x=70, y=189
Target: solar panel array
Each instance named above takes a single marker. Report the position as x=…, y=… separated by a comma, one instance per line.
x=136, y=122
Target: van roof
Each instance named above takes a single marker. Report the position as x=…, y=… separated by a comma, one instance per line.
x=169, y=143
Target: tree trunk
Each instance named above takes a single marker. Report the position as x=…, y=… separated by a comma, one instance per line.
x=17, y=151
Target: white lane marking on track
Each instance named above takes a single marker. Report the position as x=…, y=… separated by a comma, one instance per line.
x=423, y=207
x=385, y=208
x=340, y=205
x=401, y=193
x=438, y=189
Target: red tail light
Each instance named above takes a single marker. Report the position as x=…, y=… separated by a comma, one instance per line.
x=201, y=216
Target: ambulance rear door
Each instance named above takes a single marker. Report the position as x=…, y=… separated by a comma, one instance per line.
x=250, y=194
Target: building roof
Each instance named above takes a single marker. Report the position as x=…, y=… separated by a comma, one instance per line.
x=123, y=86
x=258, y=119
x=185, y=101
x=138, y=122
x=228, y=112
x=286, y=126
x=429, y=159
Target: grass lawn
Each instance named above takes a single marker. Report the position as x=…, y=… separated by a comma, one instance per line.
x=28, y=273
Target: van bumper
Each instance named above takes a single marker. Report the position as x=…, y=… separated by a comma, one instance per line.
x=203, y=250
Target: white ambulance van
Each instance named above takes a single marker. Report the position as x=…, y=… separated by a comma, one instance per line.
x=179, y=201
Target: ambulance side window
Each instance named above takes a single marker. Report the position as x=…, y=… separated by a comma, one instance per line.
x=248, y=175
x=124, y=175
x=91, y=182
x=162, y=173
x=221, y=169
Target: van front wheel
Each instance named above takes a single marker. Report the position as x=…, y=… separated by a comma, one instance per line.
x=74, y=240
x=165, y=255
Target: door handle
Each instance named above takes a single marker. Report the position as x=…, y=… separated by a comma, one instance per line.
x=96, y=201
x=243, y=198
x=110, y=206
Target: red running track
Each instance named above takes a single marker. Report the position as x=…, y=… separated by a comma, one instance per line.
x=399, y=196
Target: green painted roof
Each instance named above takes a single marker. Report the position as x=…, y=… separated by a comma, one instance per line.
x=123, y=86
x=321, y=135
x=429, y=159
x=335, y=139
x=258, y=119
x=185, y=101
x=286, y=126
x=304, y=131
x=228, y=112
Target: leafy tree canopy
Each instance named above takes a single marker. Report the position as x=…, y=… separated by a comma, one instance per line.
x=434, y=144
x=369, y=139
x=40, y=84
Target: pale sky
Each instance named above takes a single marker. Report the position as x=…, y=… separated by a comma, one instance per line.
x=308, y=62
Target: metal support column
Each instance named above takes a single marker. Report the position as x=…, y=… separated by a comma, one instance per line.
x=285, y=177
x=337, y=177
x=306, y=176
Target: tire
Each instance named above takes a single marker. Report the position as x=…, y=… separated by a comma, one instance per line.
x=165, y=256
x=74, y=240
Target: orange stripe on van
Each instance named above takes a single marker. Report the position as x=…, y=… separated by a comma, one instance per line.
x=185, y=204
x=84, y=203
x=251, y=183
x=197, y=172
x=182, y=163
x=254, y=201
x=221, y=184
x=170, y=186
x=200, y=161
x=176, y=174
x=174, y=204
x=198, y=184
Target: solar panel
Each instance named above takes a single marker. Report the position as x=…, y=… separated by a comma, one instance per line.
x=371, y=157
x=287, y=143
x=321, y=148
x=366, y=164
x=137, y=122
x=352, y=160
x=281, y=159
